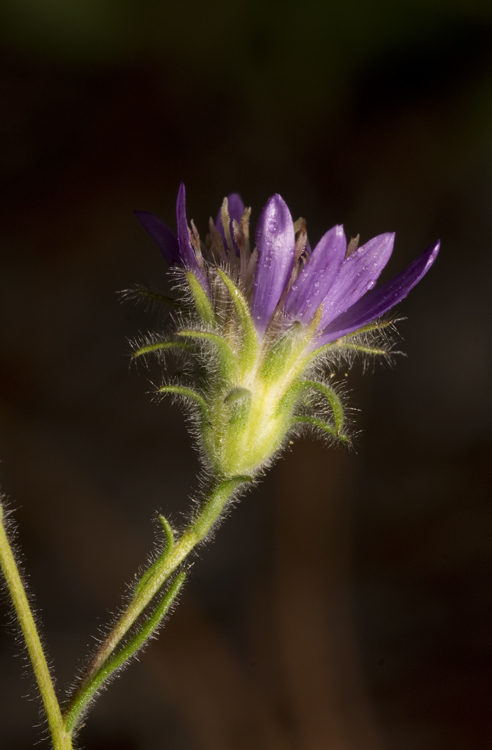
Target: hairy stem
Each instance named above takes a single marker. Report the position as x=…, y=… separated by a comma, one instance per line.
x=118, y=658
x=61, y=738
x=150, y=586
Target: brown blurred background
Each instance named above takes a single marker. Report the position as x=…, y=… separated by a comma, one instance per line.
x=345, y=604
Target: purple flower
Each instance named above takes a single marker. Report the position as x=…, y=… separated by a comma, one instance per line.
x=260, y=316
x=282, y=280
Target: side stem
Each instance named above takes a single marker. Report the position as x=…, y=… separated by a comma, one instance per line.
x=61, y=738
x=193, y=535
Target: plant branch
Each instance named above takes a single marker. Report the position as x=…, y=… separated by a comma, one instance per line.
x=149, y=585
x=61, y=738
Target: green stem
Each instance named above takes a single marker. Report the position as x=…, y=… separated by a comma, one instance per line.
x=61, y=738
x=193, y=535
x=117, y=659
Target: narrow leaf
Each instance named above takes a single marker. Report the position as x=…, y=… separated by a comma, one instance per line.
x=249, y=346
x=160, y=346
x=321, y=425
x=201, y=300
x=330, y=396
x=187, y=393
x=225, y=354
x=168, y=548
x=120, y=657
x=238, y=394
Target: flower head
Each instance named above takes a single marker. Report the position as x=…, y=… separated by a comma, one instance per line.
x=268, y=313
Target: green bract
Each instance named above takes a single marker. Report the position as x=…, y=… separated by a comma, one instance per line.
x=252, y=392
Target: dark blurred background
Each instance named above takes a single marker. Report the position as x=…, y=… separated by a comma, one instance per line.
x=345, y=604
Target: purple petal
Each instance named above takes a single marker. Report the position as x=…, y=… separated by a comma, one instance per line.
x=162, y=236
x=275, y=240
x=376, y=303
x=317, y=277
x=185, y=246
x=236, y=210
x=358, y=273
x=188, y=257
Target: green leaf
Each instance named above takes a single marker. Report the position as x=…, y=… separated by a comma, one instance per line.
x=376, y=325
x=188, y=393
x=342, y=343
x=164, y=299
x=201, y=300
x=160, y=346
x=364, y=349
x=168, y=548
x=279, y=359
x=249, y=344
x=168, y=533
x=238, y=394
x=330, y=396
x=321, y=425
x=227, y=361
x=118, y=658
x=294, y=393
